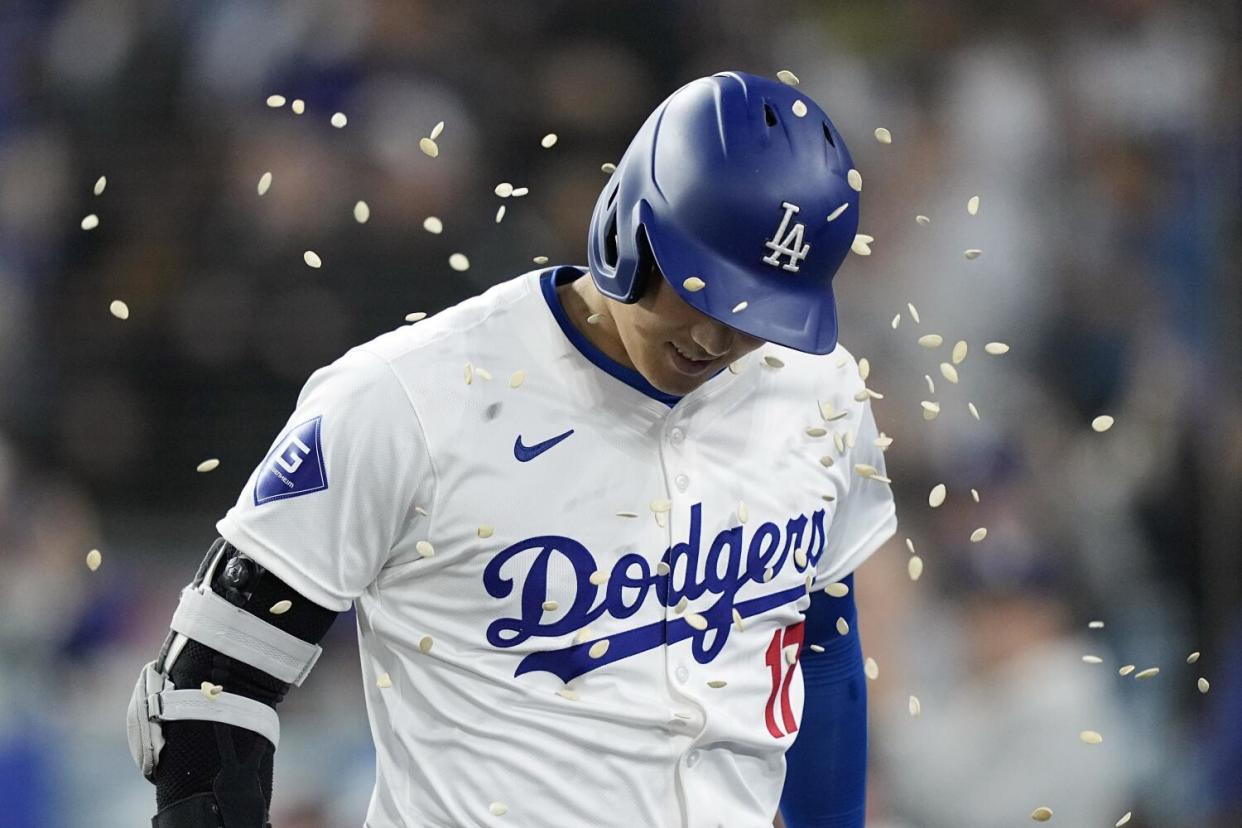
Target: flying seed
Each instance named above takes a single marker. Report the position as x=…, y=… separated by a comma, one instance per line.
x=974, y=412
x=693, y=284
x=931, y=385
x=914, y=567
x=816, y=431
x=90, y=222
x=931, y=340
x=930, y=409
x=312, y=259
x=910, y=545
x=208, y=465
x=835, y=214
x=1041, y=814
x=540, y=260
x=787, y=77
x=799, y=108
x=681, y=605
x=837, y=441
x=100, y=183
x=800, y=558
x=504, y=189
x=339, y=120
x=1126, y=670
x=498, y=809
x=974, y=494
x=424, y=644
x=298, y=106
x=1193, y=657
x=417, y=316
x=936, y=497
x=742, y=512
x=517, y=378
x=661, y=505
x=1092, y=659
x=871, y=669
x=429, y=147
x=436, y=130
x=583, y=635
x=433, y=225
x=959, y=351
x=211, y=691
x=275, y=101
x=1095, y=625
x=119, y=309
x=627, y=514
x=485, y=531
x=548, y=141
x=774, y=362
x=896, y=321
x=469, y=373
x=280, y=607
x=599, y=577
x=817, y=648
x=1203, y=685
x=384, y=681
x=949, y=372
x=550, y=606
x=1091, y=737
x=1124, y=819
x=1102, y=423
x=420, y=510
x=459, y=262
x=93, y=559
x=697, y=621
x=854, y=177
x=566, y=693
x=922, y=219
x=973, y=253
x=1150, y=672
x=865, y=470
x=265, y=183
x=883, y=135
x=978, y=535
x=996, y=348
x=518, y=192
x=594, y=319
x=716, y=684
x=737, y=620
x=362, y=212
x=609, y=168
x=916, y=707
x=425, y=549
x=914, y=313
x=860, y=247
x=843, y=626
x=740, y=306
x=972, y=206
x=837, y=589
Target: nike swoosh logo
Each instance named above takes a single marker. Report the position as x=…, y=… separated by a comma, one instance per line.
x=527, y=453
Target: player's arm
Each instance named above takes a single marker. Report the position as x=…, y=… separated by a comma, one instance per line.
x=210, y=755
x=825, y=779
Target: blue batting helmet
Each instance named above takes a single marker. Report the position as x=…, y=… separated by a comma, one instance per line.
x=741, y=181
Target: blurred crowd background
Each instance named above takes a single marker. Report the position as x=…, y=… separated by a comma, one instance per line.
x=1102, y=138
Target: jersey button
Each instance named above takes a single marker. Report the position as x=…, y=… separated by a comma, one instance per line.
x=682, y=482
x=677, y=436
x=692, y=758
x=683, y=675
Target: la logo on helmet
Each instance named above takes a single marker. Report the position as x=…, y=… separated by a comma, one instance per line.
x=789, y=243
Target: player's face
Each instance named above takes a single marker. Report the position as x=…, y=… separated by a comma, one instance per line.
x=674, y=346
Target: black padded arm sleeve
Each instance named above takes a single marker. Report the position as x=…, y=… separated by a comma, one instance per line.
x=233, y=763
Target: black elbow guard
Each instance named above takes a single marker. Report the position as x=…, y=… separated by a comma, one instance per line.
x=210, y=751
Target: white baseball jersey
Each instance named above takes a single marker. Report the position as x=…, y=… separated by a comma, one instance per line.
x=586, y=594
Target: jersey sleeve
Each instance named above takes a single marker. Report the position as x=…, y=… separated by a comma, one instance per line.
x=339, y=486
x=867, y=514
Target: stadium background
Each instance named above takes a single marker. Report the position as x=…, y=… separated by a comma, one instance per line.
x=1101, y=136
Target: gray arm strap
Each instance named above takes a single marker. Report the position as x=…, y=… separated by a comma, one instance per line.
x=225, y=708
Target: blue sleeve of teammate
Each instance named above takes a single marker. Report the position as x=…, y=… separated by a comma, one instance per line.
x=826, y=767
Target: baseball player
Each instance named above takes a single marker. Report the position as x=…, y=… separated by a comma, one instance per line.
x=599, y=524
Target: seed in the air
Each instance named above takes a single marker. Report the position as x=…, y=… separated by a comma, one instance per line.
x=1126, y=670
x=816, y=431
x=1150, y=672
x=425, y=549
x=854, y=177
x=1203, y=685
x=498, y=809
x=931, y=385
x=265, y=183
x=90, y=222
x=974, y=412
x=1092, y=659
x=930, y=409
x=773, y=362
x=298, y=106
x=948, y=372
x=681, y=605
x=661, y=504
x=339, y=120
x=1041, y=814
x=864, y=369
x=896, y=321
x=1193, y=657
x=275, y=101
x=417, y=316
x=280, y=607
x=504, y=189
x=743, y=513
x=1102, y=423
x=817, y=648
x=517, y=378
x=312, y=259
x=469, y=373
x=871, y=669
x=485, y=531
x=436, y=130
x=860, y=247
x=119, y=309
x=716, y=684
x=959, y=351
x=974, y=495
x=518, y=192
x=740, y=306
x=996, y=348
x=843, y=626
x=550, y=606
x=429, y=147
x=548, y=141
x=910, y=545
x=599, y=577
x=737, y=620
x=931, y=340
x=628, y=515
x=978, y=535
x=835, y=214
x=362, y=212
x=972, y=206
x=424, y=644
x=1095, y=625
x=211, y=691
x=384, y=681
x=697, y=621
x=922, y=219
x=459, y=262
x=914, y=312
x=1091, y=737
x=973, y=253
x=799, y=108
x=566, y=693
x=916, y=707
x=608, y=167
x=211, y=464
x=914, y=567
x=837, y=589
x=539, y=260
x=787, y=77
x=100, y=183
x=936, y=497
x=883, y=135
x=93, y=559
x=1124, y=819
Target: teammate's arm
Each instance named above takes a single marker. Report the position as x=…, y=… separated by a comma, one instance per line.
x=825, y=779
x=210, y=754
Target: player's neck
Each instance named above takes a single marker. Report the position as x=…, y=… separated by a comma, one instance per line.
x=580, y=299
